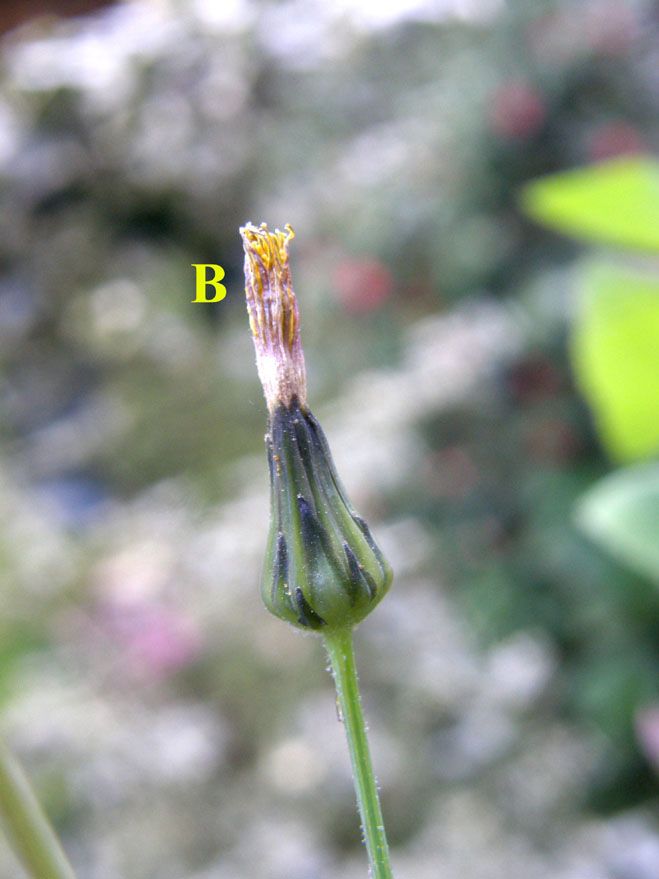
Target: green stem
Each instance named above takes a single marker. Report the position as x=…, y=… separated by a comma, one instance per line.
x=342, y=657
x=27, y=827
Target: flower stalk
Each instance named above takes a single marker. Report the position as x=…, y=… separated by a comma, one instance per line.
x=342, y=658
x=323, y=570
x=27, y=826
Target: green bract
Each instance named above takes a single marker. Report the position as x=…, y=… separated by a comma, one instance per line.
x=322, y=568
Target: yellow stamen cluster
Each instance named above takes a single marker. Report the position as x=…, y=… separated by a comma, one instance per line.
x=273, y=313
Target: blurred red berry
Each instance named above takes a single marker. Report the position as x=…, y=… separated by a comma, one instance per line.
x=613, y=139
x=362, y=284
x=551, y=440
x=516, y=111
x=533, y=378
x=450, y=473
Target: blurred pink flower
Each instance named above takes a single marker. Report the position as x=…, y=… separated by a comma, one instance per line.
x=646, y=723
x=563, y=35
x=611, y=27
x=155, y=640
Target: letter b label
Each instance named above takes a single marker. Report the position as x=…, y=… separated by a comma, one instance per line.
x=202, y=282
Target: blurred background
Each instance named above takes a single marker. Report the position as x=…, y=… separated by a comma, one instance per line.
x=482, y=352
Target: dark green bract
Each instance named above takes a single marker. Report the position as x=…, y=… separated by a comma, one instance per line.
x=323, y=570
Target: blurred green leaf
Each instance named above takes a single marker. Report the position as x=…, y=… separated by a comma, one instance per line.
x=615, y=354
x=615, y=202
x=621, y=512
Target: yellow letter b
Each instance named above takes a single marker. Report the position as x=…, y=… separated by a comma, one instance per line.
x=202, y=282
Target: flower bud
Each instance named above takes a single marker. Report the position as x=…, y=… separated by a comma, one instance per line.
x=322, y=566
x=323, y=570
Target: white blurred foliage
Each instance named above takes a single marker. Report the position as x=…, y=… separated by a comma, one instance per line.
x=497, y=773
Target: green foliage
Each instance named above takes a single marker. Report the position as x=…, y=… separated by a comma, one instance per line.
x=614, y=343
x=616, y=357
x=503, y=474
x=621, y=513
x=614, y=203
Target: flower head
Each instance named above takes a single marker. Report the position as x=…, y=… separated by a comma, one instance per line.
x=323, y=569
x=273, y=314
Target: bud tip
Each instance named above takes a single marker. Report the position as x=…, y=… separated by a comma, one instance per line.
x=273, y=314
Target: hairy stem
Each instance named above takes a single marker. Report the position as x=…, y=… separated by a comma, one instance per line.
x=27, y=827
x=342, y=657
